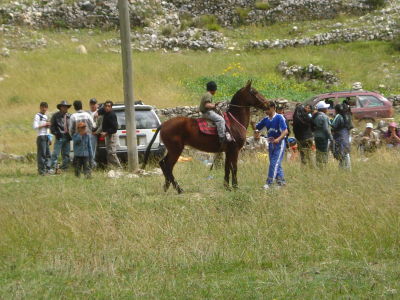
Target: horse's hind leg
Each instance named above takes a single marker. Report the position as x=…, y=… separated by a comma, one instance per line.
x=170, y=161
x=167, y=180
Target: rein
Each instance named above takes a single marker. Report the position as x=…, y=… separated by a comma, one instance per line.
x=242, y=106
x=233, y=118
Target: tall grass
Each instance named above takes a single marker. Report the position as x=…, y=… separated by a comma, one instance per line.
x=329, y=234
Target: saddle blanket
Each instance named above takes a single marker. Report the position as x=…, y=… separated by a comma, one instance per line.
x=208, y=127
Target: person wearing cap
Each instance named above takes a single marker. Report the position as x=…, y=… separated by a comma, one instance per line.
x=93, y=137
x=322, y=133
x=256, y=143
x=277, y=131
x=207, y=108
x=41, y=125
x=59, y=127
x=368, y=140
x=82, y=150
x=392, y=136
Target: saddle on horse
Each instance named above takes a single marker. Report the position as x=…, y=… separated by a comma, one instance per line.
x=208, y=127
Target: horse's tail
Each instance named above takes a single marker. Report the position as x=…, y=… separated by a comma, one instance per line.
x=147, y=153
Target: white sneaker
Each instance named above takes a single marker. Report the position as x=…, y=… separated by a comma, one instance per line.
x=228, y=137
x=266, y=186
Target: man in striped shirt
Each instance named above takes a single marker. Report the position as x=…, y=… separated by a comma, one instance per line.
x=277, y=131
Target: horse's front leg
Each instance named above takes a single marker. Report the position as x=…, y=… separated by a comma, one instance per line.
x=227, y=171
x=234, y=160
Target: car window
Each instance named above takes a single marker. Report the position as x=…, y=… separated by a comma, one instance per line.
x=145, y=119
x=369, y=101
x=352, y=101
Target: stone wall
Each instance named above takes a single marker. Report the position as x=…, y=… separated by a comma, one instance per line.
x=385, y=32
x=163, y=22
x=90, y=13
x=306, y=73
x=193, y=111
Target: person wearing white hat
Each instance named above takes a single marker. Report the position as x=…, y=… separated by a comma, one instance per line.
x=322, y=133
x=368, y=140
x=256, y=143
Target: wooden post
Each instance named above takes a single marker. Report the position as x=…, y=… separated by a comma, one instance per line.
x=127, y=70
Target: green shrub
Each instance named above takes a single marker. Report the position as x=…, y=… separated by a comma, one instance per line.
x=375, y=3
x=14, y=100
x=186, y=20
x=209, y=22
x=271, y=86
x=60, y=23
x=262, y=5
x=242, y=13
x=167, y=30
x=213, y=27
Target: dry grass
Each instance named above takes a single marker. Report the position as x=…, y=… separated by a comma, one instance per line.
x=326, y=235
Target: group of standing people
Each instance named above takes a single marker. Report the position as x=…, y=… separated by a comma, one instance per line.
x=314, y=127
x=83, y=128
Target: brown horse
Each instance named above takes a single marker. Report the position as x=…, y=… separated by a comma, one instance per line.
x=180, y=131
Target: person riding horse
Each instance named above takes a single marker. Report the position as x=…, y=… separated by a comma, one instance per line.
x=207, y=109
x=178, y=132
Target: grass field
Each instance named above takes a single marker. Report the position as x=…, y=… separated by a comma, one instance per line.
x=329, y=235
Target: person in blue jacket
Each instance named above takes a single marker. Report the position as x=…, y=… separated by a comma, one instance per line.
x=277, y=131
x=82, y=150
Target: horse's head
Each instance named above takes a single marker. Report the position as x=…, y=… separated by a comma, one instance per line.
x=249, y=96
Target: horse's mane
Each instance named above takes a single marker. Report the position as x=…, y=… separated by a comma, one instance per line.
x=236, y=96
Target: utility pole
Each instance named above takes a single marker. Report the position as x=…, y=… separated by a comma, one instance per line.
x=125, y=30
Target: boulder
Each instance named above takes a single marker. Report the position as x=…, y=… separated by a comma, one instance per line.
x=81, y=49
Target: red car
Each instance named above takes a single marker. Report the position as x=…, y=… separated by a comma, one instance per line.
x=365, y=105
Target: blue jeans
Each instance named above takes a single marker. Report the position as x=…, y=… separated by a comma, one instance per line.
x=43, y=153
x=61, y=145
x=93, y=140
x=275, y=171
x=218, y=120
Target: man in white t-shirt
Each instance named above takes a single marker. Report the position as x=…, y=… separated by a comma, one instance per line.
x=80, y=116
x=93, y=137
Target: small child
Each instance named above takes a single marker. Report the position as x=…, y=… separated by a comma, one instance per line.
x=82, y=150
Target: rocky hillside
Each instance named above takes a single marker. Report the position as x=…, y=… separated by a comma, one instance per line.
x=183, y=24
x=60, y=13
